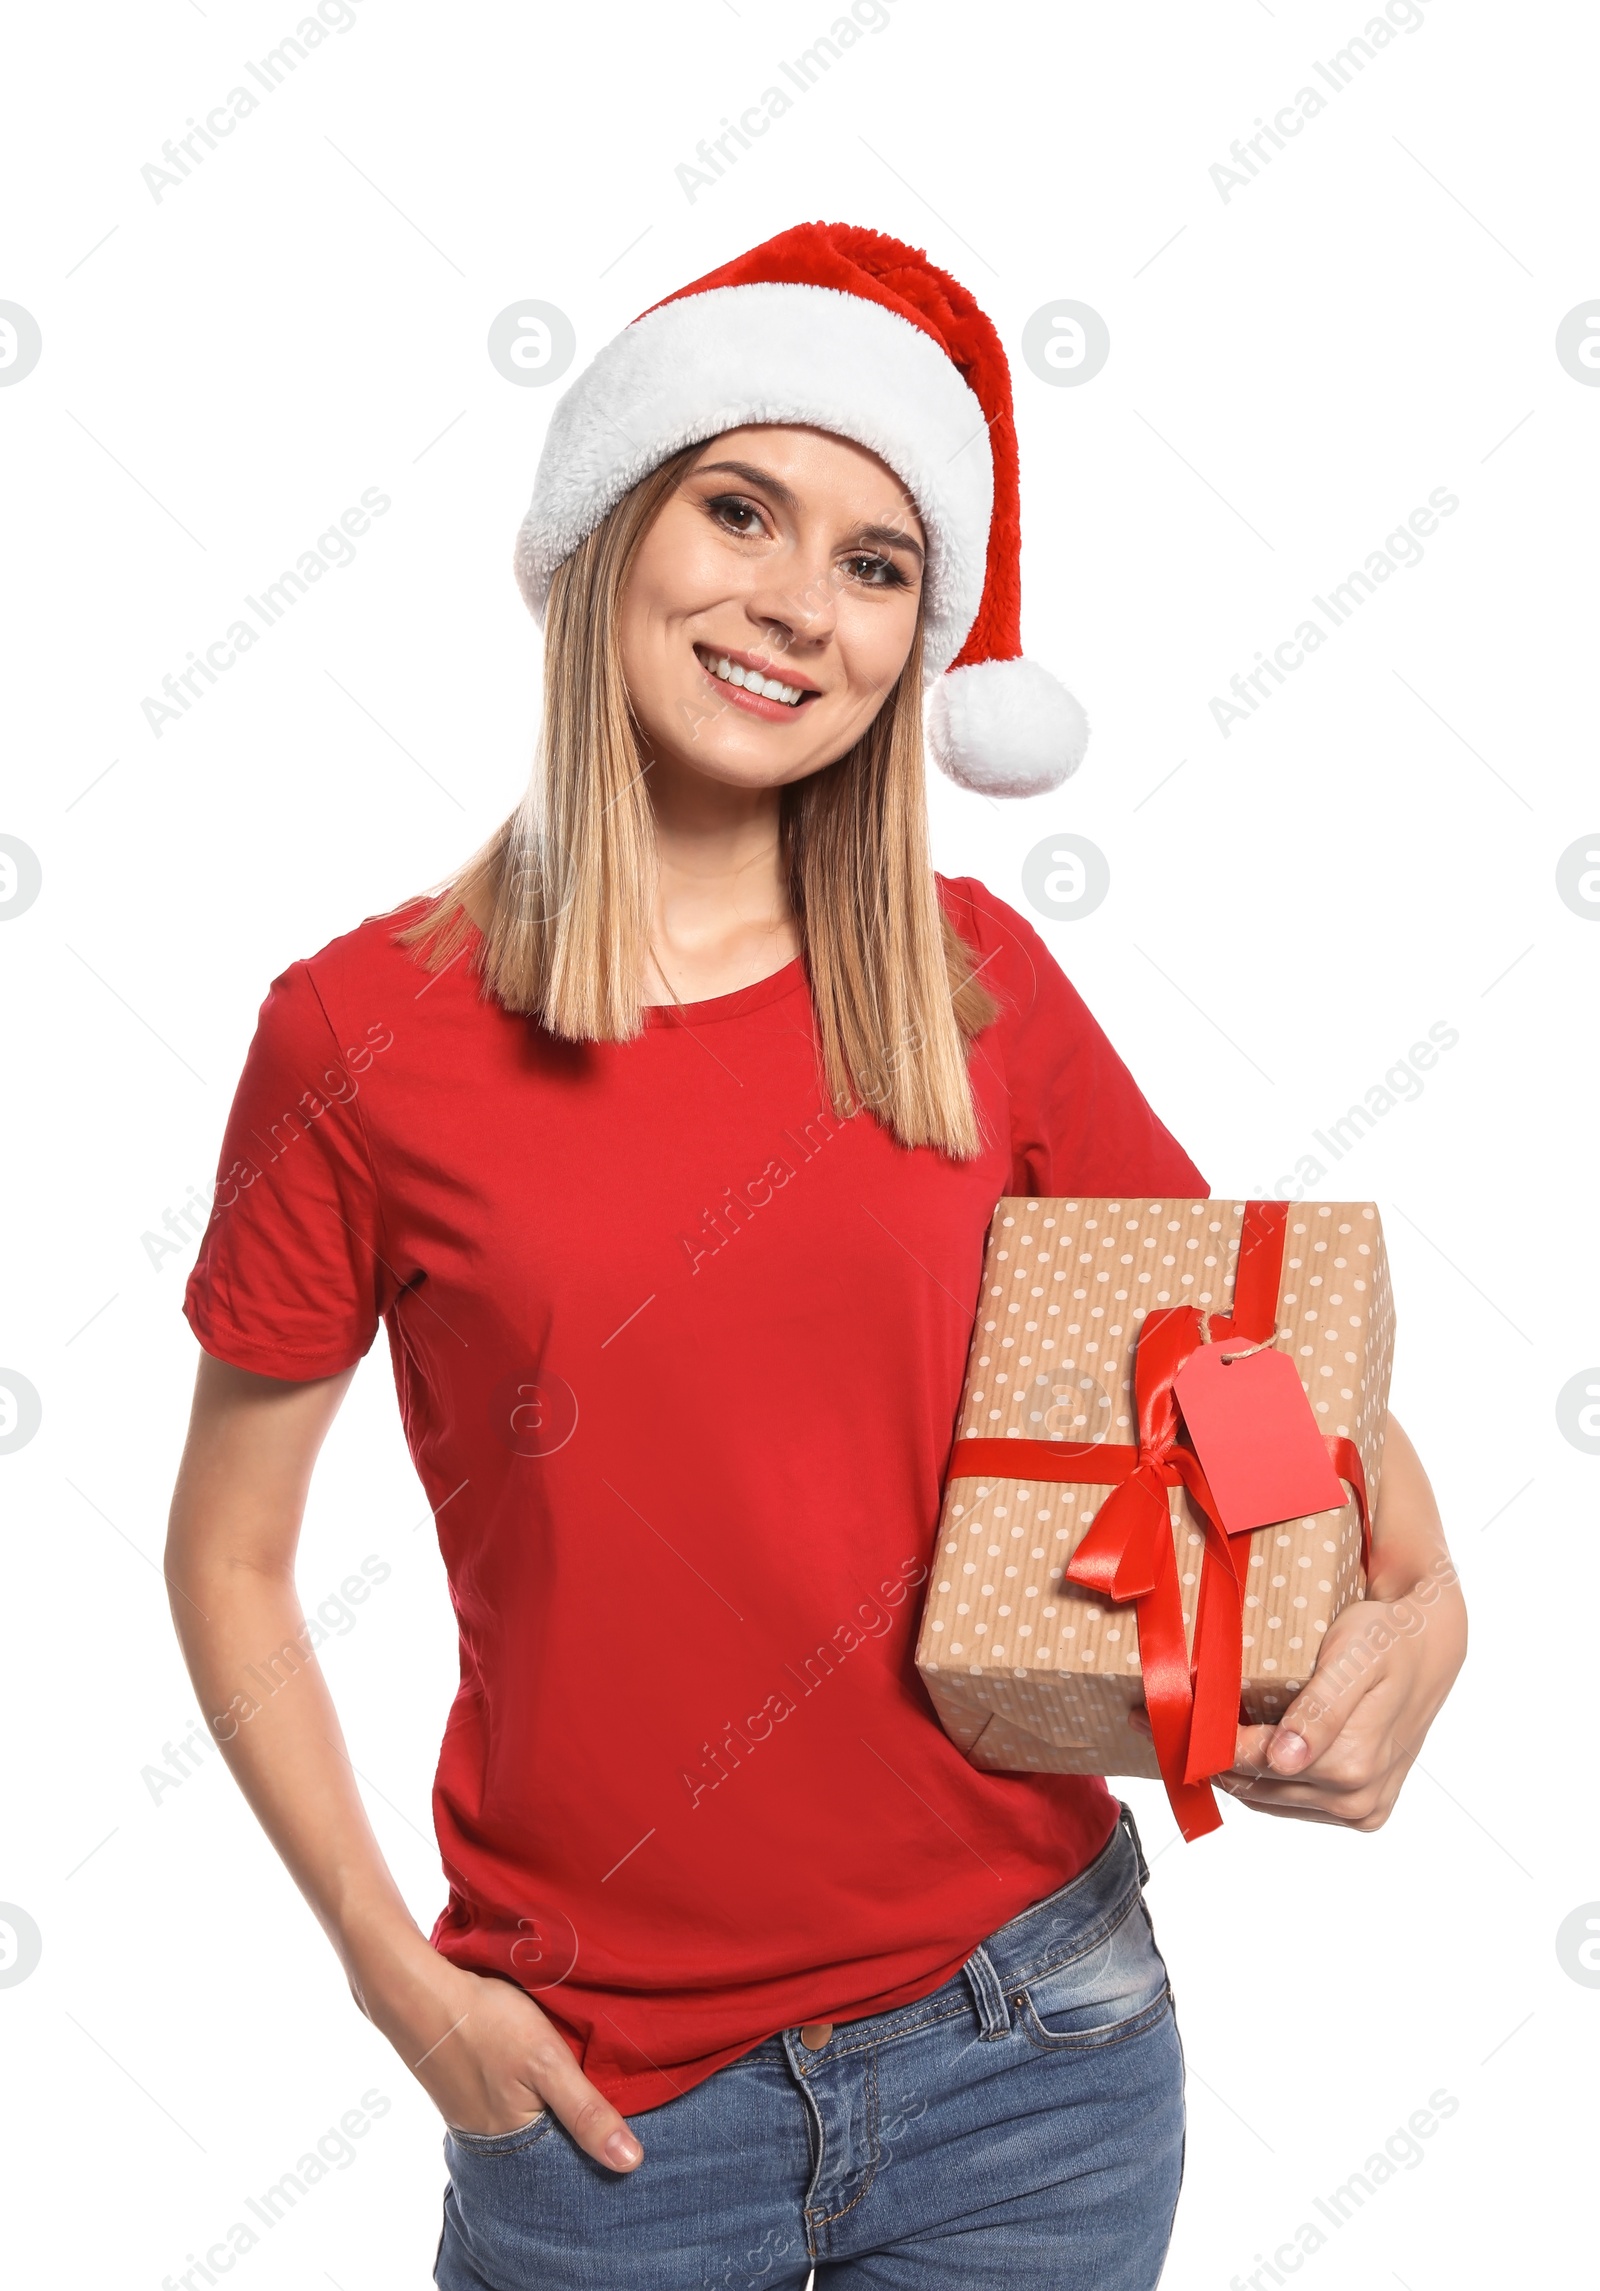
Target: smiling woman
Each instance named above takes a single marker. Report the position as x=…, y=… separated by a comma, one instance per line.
x=874, y=2008
x=776, y=556
x=733, y=667
x=852, y=538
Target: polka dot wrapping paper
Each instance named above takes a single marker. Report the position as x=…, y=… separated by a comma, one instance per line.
x=1027, y=1670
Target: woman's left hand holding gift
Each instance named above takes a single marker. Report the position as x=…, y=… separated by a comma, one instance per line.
x=1345, y=1744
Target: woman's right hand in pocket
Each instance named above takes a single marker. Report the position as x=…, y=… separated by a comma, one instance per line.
x=480, y=2047
x=489, y=2059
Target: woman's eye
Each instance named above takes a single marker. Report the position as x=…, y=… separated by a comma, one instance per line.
x=739, y=516
x=877, y=572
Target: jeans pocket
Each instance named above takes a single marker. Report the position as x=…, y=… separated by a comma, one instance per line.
x=501, y=2143
x=1109, y=1993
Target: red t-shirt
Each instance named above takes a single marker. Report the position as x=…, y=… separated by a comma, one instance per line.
x=679, y=1355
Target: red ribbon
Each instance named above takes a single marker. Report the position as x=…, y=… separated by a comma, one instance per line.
x=1129, y=1553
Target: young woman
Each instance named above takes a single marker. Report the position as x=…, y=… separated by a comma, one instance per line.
x=664, y=1142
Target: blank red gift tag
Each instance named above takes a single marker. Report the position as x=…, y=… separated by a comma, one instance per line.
x=1256, y=1435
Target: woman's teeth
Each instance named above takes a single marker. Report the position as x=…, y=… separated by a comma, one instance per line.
x=750, y=679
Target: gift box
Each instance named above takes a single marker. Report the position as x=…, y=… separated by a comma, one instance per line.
x=1085, y=1562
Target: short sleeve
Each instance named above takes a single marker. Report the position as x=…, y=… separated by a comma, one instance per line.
x=291, y=1279
x=1079, y=1121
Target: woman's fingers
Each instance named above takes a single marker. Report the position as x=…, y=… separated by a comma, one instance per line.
x=1353, y=1778
x=1363, y=1806
x=1272, y=1798
x=1333, y=1756
x=1353, y=1660
x=599, y=2129
x=1313, y=1723
x=1324, y=1735
x=499, y=2061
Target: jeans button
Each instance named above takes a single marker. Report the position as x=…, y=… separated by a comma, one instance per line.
x=815, y=2035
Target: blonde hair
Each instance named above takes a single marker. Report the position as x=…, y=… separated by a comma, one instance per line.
x=567, y=881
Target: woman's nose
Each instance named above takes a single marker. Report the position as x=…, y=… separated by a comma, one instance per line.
x=799, y=605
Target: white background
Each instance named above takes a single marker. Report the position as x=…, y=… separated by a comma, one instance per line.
x=1292, y=371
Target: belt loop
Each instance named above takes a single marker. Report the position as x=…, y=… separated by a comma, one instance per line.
x=988, y=1994
x=1125, y=1817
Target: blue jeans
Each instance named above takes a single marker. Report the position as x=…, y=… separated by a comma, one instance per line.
x=1023, y=2124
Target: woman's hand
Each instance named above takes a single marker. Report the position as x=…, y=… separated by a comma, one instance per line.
x=482, y=2050
x=1345, y=1744
x=480, y=2047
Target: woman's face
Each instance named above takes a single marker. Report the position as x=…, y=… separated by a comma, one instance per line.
x=784, y=555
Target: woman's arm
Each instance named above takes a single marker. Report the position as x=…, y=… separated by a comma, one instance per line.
x=1385, y=1667
x=486, y=2054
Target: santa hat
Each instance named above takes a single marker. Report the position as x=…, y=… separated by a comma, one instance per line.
x=847, y=331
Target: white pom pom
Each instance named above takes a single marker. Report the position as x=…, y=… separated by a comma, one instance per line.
x=1005, y=728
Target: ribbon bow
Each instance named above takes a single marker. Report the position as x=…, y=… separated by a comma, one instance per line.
x=1129, y=1553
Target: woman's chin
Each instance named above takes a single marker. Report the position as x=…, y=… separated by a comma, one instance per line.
x=736, y=759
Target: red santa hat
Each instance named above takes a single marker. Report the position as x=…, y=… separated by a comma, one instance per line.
x=851, y=332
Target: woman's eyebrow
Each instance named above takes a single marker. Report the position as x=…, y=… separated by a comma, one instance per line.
x=752, y=476
x=889, y=537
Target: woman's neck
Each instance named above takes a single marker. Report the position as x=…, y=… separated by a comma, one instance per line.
x=722, y=918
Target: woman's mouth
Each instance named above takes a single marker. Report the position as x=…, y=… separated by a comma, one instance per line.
x=750, y=687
